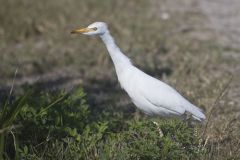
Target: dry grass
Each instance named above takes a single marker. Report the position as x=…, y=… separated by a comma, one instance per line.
x=180, y=50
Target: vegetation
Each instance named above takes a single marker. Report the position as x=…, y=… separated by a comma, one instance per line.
x=56, y=125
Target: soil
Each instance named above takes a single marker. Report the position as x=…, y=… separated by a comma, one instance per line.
x=224, y=18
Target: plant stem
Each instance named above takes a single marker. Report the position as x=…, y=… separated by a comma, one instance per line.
x=2, y=145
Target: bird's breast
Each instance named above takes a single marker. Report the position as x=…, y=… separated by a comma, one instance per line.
x=126, y=78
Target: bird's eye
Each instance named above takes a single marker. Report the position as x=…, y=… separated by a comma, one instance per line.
x=95, y=28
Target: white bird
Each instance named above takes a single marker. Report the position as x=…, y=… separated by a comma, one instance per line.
x=149, y=94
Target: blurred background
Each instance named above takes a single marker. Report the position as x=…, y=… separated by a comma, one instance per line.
x=192, y=45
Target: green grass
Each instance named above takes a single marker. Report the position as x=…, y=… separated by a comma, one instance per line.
x=57, y=125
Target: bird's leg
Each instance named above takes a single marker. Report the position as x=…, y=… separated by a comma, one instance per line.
x=187, y=118
x=137, y=115
x=159, y=129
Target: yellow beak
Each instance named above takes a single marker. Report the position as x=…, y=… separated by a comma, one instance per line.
x=82, y=30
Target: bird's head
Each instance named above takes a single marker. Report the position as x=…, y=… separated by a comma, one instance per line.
x=96, y=28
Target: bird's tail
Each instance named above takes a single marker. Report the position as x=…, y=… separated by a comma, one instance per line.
x=196, y=112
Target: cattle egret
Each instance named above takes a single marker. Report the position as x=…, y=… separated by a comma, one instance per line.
x=149, y=94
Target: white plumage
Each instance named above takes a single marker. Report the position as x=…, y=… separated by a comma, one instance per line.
x=149, y=94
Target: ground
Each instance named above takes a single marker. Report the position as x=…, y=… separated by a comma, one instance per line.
x=192, y=45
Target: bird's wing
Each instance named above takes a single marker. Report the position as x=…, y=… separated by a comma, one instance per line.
x=160, y=94
x=144, y=88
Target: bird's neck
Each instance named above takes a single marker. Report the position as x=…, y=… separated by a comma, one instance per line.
x=119, y=59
